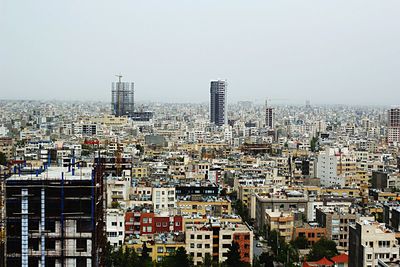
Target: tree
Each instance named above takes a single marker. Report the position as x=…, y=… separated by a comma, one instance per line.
x=3, y=159
x=266, y=259
x=233, y=258
x=108, y=255
x=145, y=253
x=322, y=248
x=121, y=257
x=283, y=252
x=243, y=211
x=313, y=144
x=301, y=242
x=179, y=258
x=207, y=262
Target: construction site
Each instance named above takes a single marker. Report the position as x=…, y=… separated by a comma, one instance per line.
x=54, y=216
x=122, y=97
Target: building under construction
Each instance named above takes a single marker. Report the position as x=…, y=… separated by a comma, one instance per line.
x=54, y=216
x=122, y=98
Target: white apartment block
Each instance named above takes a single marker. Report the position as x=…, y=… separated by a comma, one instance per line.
x=115, y=227
x=164, y=198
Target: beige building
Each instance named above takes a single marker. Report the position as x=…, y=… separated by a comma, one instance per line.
x=214, y=207
x=6, y=147
x=371, y=242
x=139, y=172
x=215, y=238
x=282, y=222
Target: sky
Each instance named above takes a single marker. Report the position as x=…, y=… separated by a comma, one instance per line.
x=328, y=52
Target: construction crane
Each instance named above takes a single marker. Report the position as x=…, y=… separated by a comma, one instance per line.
x=119, y=77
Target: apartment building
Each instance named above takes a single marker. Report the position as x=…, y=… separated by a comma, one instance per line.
x=311, y=231
x=335, y=166
x=371, y=242
x=215, y=238
x=163, y=198
x=205, y=207
x=115, y=227
x=6, y=147
x=282, y=222
x=279, y=201
x=336, y=221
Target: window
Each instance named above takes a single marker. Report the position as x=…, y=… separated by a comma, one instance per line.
x=158, y=224
x=199, y=254
x=113, y=223
x=207, y=237
x=145, y=220
x=226, y=237
x=191, y=245
x=199, y=237
x=81, y=245
x=50, y=244
x=199, y=245
x=206, y=245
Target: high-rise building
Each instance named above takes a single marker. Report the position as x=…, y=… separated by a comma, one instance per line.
x=393, y=125
x=122, y=98
x=54, y=217
x=218, y=108
x=269, y=116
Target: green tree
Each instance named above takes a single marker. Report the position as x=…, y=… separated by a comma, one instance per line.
x=313, y=144
x=283, y=252
x=322, y=248
x=108, y=255
x=242, y=210
x=145, y=253
x=233, y=258
x=301, y=242
x=207, y=261
x=3, y=159
x=179, y=258
x=121, y=257
x=265, y=259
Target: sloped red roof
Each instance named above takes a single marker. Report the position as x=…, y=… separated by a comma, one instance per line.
x=324, y=261
x=342, y=258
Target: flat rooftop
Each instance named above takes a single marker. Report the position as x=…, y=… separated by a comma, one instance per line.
x=53, y=173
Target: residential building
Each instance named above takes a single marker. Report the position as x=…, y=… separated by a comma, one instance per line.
x=370, y=242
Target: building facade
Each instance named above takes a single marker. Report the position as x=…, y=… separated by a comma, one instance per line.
x=122, y=98
x=54, y=218
x=371, y=242
x=218, y=107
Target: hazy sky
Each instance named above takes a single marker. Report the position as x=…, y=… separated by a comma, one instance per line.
x=328, y=51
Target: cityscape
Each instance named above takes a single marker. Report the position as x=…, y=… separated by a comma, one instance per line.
x=209, y=134
x=229, y=184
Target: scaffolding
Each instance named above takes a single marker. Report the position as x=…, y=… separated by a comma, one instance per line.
x=57, y=217
x=122, y=98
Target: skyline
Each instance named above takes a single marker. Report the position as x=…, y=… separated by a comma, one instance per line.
x=315, y=51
